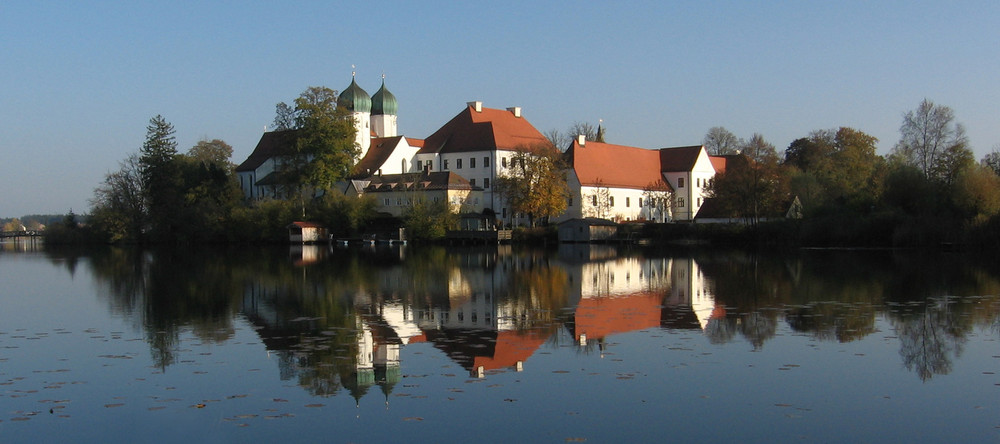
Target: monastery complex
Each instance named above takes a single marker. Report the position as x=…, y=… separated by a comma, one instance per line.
x=461, y=161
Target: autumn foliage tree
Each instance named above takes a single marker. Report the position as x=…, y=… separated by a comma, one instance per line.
x=752, y=186
x=835, y=168
x=535, y=183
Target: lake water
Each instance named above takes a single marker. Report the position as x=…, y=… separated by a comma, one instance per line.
x=583, y=344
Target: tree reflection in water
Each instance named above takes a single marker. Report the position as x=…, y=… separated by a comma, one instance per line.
x=337, y=318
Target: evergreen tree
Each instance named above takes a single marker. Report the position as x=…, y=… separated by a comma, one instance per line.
x=160, y=178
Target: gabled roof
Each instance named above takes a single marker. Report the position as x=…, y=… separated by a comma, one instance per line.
x=615, y=166
x=419, y=143
x=679, y=159
x=381, y=149
x=271, y=144
x=486, y=130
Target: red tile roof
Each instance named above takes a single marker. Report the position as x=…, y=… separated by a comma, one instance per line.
x=415, y=142
x=616, y=166
x=271, y=144
x=488, y=130
x=719, y=163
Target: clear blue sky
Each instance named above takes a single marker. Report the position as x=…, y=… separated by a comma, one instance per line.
x=80, y=80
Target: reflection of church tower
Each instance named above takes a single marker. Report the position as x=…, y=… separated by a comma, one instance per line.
x=364, y=375
x=384, y=112
x=359, y=103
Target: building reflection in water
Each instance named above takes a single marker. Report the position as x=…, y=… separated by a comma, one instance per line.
x=487, y=309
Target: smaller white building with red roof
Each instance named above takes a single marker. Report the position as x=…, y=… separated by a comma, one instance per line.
x=625, y=183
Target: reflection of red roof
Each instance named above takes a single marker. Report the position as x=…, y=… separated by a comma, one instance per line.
x=491, y=129
x=605, y=316
x=511, y=347
x=418, y=338
x=617, y=166
x=306, y=224
x=718, y=312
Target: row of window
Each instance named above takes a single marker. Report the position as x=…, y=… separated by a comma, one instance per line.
x=628, y=201
x=698, y=181
x=445, y=163
x=458, y=163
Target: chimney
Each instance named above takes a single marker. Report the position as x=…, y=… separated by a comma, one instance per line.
x=515, y=110
x=477, y=105
x=581, y=139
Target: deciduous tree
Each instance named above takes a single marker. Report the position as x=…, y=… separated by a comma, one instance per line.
x=118, y=209
x=992, y=160
x=928, y=133
x=719, y=141
x=323, y=149
x=535, y=183
x=658, y=201
x=752, y=186
x=211, y=152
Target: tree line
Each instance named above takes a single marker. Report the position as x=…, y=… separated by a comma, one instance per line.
x=928, y=190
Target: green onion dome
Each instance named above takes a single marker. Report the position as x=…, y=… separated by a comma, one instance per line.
x=383, y=102
x=355, y=99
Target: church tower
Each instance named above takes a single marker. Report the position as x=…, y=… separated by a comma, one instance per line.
x=384, y=112
x=359, y=103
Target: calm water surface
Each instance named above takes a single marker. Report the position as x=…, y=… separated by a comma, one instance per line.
x=583, y=344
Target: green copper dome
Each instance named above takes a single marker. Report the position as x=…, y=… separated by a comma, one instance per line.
x=355, y=99
x=383, y=102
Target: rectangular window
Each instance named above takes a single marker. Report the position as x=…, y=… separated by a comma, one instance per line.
x=386, y=201
x=680, y=182
x=698, y=201
x=640, y=202
x=503, y=213
x=472, y=162
x=680, y=202
x=458, y=164
x=445, y=166
x=486, y=162
x=472, y=182
x=486, y=182
x=595, y=200
x=611, y=201
x=569, y=202
x=628, y=202
x=503, y=162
